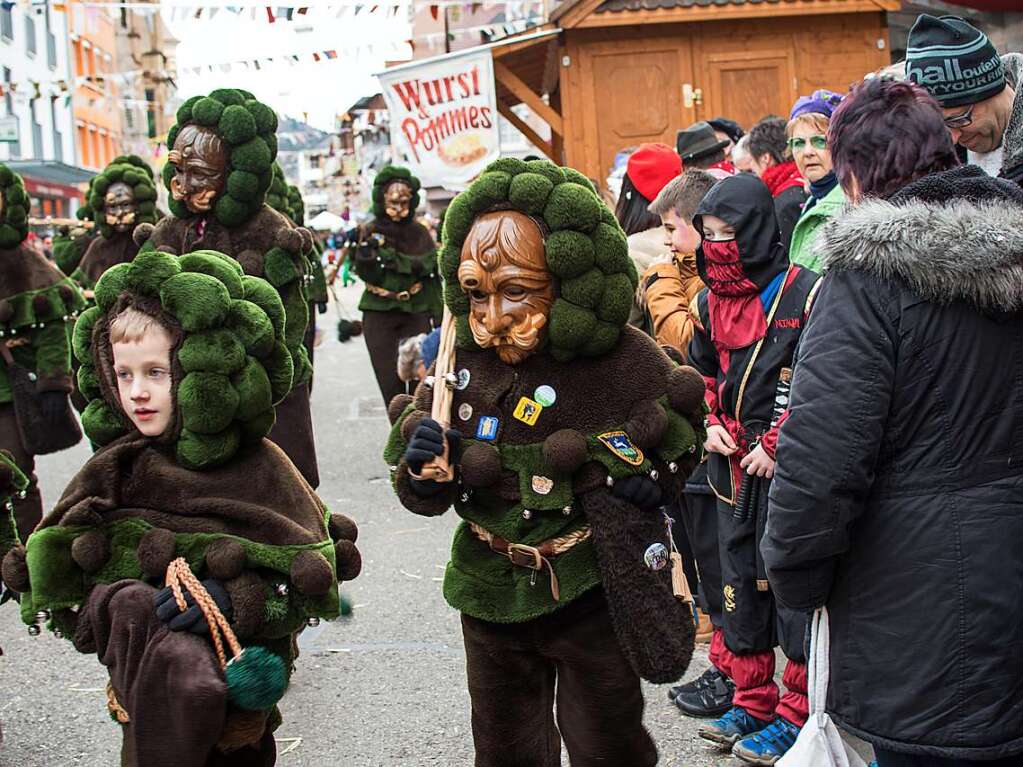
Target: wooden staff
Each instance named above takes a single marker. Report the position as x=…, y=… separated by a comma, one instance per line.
x=35, y=221
x=444, y=380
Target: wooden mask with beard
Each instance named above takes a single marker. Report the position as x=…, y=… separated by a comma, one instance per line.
x=119, y=207
x=397, y=200
x=503, y=268
x=199, y=158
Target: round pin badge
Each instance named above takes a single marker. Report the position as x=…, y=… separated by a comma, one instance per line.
x=465, y=411
x=656, y=556
x=545, y=395
x=463, y=379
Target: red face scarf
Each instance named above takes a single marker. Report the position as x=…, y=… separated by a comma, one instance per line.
x=782, y=176
x=736, y=315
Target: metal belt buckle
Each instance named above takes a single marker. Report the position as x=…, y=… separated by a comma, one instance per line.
x=403, y=295
x=525, y=556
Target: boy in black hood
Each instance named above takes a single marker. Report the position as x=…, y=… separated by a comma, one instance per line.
x=749, y=319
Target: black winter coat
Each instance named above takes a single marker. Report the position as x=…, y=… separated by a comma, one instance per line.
x=898, y=495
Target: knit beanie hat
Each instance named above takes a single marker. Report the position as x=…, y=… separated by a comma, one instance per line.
x=651, y=167
x=822, y=101
x=953, y=61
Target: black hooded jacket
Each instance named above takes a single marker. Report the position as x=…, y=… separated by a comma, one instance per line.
x=898, y=496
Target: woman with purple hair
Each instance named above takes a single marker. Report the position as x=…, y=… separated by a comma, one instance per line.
x=897, y=500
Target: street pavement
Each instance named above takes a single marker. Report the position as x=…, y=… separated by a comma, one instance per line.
x=383, y=687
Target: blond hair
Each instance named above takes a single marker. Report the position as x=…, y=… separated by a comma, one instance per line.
x=816, y=120
x=131, y=325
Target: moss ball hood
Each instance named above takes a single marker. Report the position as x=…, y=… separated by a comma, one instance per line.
x=248, y=128
x=384, y=178
x=586, y=251
x=133, y=171
x=14, y=217
x=230, y=364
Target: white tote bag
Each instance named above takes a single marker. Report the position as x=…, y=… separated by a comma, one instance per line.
x=819, y=743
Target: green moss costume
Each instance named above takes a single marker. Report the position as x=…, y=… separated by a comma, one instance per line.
x=36, y=304
x=111, y=247
x=594, y=383
x=71, y=242
x=212, y=490
x=318, y=282
x=12, y=484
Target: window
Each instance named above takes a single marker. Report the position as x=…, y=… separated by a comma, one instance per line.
x=15, y=146
x=37, y=133
x=30, y=33
x=79, y=59
x=150, y=113
x=51, y=42
x=83, y=145
x=7, y=20
x=58, y=138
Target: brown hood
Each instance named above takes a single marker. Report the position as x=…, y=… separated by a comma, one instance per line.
x=23, y=269
x=105, y=252
x=259, y=496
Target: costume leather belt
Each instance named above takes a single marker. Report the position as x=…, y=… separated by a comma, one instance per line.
x=537, y=557
x=395, y=295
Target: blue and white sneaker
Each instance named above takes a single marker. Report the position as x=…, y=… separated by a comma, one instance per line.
x=769, y=744
x=736, y=723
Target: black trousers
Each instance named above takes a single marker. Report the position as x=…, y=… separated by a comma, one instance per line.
x=571, y=659
x=700, y=518
x=893, y=759
x=28, y=510
x=383, y=332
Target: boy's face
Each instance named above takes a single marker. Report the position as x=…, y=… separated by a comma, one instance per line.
x=683, y=239
x=143, y=370
x=716, y=229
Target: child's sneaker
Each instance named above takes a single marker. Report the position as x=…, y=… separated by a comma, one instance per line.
x=728, y=729
x=769, y=744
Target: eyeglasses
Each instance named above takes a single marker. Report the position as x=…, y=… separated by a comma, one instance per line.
x=799, y=144
x=960, y=120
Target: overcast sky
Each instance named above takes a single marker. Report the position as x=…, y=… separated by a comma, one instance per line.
x=316, y=91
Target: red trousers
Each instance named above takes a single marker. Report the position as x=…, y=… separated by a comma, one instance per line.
x=755, y=688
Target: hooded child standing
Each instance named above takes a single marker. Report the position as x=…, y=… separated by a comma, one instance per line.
x=749, y=320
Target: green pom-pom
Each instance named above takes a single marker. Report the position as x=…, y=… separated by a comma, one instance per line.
x=616, y=303
x=144, y=192
x=463, y=334
x=132, y=177
x=167, y=174
x=198, y=301
x=575, y=177
x=254, y=156
x=570, y=324
x=279, y=267
x=6, y=176
x=99, y=187
x=263, y=295
x=207, y=402
x=450, y=258
x=488, y=190
x=212, y=351
x=255, y=429
x=455, y=298
x=237, y=125
x=281, y=369
x=184, y=113
x=149, y=271
x=457, y=221
x=547, y=169
x=255, y=395
x=229, y=96
x=602, y=339
x=207, y=111
x=264, y=116
x=243, y=185
x=509, y=165
x=584, y=290
x=528, y=192
x=611, y=249
x=569, y=254
x=172, y=134
x=231, y=212
x=101, y=424
x=256, y=679
x=252, y=328
x=88, y=382
x=203, y=263
x=110, y=286
x=81, y=336
x=571, y=206
x=205, y=451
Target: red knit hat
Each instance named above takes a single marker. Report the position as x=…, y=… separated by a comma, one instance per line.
x=651, y=167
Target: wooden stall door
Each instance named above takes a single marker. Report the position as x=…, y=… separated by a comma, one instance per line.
x=634, y=95
x=745, y=85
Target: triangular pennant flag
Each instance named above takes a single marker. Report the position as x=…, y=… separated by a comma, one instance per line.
x=316, y=56
x=302, y=11
x=270, y=15
x=288, y=13
x=435, y=11
x=198, y=12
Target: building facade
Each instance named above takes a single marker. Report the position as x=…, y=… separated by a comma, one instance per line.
x=97, y=110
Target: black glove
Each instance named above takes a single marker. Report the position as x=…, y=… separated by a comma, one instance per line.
x=192, y=619
x=321, y=307
x=639, y=490
x=52, y=404
x=428, y=442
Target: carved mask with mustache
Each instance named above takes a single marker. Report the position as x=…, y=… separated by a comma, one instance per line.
x=199, y=158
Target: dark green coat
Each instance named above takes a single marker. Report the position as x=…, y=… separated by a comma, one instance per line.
x=407, y=256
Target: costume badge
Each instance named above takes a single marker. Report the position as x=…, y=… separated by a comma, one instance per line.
x=618, y=442
x=545, y=395
x=463, y=379
x=527, y=411
x=656, y=556
x=542, y=485
x=465, y=411
x=487, y=428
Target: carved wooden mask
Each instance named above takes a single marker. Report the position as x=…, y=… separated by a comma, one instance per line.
x=199, y=158
x=397, y=199
x=119, y=207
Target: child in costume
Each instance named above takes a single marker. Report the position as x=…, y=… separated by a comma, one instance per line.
x=186, y=518
x=36, y=304
x=397, y=259
x=219, y=169
x=567, y=429
x=749, y=319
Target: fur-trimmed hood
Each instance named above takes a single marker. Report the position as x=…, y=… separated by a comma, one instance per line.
x=962, y=247
x=1012, y=141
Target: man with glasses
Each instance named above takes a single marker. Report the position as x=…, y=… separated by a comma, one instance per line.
x=977, y=90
